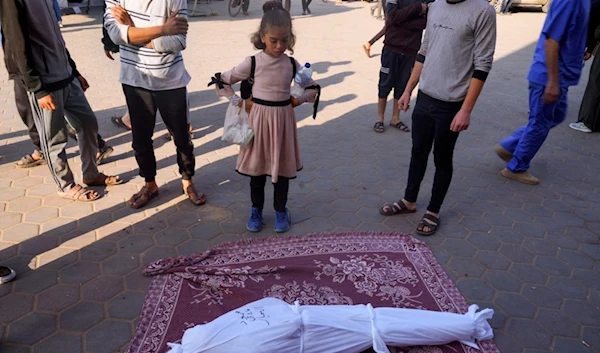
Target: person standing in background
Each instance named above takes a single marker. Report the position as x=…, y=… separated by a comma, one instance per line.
x=589, y=112
x=451, y=69
x=57, y=12
x=557, y=65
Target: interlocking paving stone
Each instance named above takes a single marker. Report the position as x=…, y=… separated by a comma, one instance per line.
x=528, y=273
x=57, y=298
x=570, y=345
x=529, y=333
x=79, y=273
x=102, y=288
x=126, y=305
x=31, y=328
x=60, y=343
x=558, y=323
x=515, y=305
x=503, y=281
x=82, y=316
x=35, y=281
x=542, y=296
x=107, y=337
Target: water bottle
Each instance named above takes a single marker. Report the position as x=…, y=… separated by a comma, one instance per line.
x=303, y=77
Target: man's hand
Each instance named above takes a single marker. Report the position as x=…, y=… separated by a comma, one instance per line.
x=175, y=25
x=295, y=101
x=461, y=121
x=404, y=102
x=108, y=54
x=551, y=93
x=83, y=82
x=121, y=15
x=47, y=102
x=587, y=56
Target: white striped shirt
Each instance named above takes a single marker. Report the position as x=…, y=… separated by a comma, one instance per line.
x=155, y=69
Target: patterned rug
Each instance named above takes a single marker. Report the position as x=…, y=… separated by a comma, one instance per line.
x=384, y=269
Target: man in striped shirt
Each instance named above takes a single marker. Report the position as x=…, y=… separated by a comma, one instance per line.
x=151, y=35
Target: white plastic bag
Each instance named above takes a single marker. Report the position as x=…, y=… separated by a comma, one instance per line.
x=272, y=325
x=236, y=128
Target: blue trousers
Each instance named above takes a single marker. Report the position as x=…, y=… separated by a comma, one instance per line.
x=526, y=141
x=57, y=11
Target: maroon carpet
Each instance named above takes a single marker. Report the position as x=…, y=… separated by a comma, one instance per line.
x=384, y=269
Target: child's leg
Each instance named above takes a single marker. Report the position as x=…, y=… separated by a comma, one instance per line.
x=395, y=113
x=386, y=82
x=257, y=191
x=280, y=198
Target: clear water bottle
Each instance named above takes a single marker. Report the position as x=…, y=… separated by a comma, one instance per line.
x=302, y=79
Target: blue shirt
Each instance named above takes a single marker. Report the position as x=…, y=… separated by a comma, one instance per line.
x=567, y=23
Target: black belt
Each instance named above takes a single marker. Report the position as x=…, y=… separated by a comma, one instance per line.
x=271, y=103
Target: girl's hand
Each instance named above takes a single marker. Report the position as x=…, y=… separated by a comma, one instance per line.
x=249, y=104
x=295, y=102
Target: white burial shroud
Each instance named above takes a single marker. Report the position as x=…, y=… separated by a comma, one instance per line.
x=272, y=325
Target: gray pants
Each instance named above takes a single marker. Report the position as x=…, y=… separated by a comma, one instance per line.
x=52, y=127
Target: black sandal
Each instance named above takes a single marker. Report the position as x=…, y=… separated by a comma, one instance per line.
x=395, y=208
x=117, y=120
x=400, y=126
x=379, y=127
x=433, y=225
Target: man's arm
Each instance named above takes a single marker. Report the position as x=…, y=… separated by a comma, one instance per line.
x=172, y=43
x=555, y=29
x=73, y=65
x=15, y=36
x=399, y=16
x=485, y=47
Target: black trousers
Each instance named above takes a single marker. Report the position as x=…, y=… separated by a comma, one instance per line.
x=305, y=4
x=172, y=104
x=24, y=110
x=431, y=128
x=257, y=192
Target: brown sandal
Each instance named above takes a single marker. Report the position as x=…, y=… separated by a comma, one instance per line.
x=104, y=180
x=142, y=198
x=192, y=194
x=79, y=193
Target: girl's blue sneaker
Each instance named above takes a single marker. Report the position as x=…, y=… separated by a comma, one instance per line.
x=283, y=221
x=255, y=222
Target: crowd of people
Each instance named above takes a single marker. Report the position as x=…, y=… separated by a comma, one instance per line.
x=446, y=47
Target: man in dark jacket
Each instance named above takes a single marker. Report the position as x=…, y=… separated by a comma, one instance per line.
x=35, y=45
x=403, y=31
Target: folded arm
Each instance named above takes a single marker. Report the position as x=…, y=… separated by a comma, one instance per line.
x=14, y=30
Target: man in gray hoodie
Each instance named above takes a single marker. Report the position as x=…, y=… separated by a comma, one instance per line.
x=35, y=44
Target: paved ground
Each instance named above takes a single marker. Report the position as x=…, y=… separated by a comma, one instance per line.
x=531, y=253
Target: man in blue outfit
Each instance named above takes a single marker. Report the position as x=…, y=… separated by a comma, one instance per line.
x=557, y=65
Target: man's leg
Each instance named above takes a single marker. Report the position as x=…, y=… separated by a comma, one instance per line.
x=443, y=154
x=142, y=110
x=423, y=132
x=24, y=110
x=542, y=118
x=173, y=108
x=52, y=128
x=245, y=5
x=82, y=118
x=403, y=69
x=386, y=83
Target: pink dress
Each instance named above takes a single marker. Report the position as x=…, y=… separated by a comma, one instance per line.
x=274, y=150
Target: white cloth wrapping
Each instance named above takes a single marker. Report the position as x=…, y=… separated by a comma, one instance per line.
x=236, y=128
x=272, y=325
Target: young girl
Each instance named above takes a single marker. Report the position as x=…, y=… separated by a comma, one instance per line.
x=274, y=150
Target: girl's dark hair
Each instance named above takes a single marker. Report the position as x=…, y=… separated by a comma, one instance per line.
x=274, y=16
